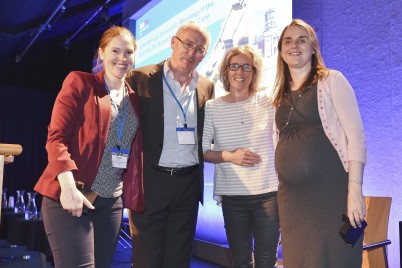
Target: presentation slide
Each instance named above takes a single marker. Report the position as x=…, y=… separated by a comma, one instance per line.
x=231, y=23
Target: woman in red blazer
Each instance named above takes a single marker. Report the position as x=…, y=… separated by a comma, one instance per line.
x=94, y=143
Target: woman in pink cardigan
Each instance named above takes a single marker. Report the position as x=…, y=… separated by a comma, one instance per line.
x=320, y=154
x=94, y=143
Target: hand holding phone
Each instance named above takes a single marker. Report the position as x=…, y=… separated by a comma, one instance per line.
x=350, y=234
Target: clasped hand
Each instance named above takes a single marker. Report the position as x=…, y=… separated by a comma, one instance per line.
x=245, y=157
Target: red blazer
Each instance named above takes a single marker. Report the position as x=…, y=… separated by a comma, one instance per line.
x=77, y=136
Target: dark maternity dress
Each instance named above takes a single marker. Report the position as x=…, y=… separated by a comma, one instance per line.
x=313, y=189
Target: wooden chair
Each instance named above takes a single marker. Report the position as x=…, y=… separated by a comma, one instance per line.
x=376, y=234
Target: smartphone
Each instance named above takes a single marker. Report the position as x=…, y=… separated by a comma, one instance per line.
x=350, y=234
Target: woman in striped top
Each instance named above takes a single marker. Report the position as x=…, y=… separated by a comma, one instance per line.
x=237, y=139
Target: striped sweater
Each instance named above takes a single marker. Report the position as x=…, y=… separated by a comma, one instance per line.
x=244, y=124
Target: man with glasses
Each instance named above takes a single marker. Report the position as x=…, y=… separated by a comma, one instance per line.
x=172, y=97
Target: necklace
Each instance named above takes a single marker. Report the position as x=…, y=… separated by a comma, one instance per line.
x=293, y=103
x=118, y=95
x=230, y=99
x=243, y=110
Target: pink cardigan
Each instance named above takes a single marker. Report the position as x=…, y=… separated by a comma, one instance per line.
x=340, y=117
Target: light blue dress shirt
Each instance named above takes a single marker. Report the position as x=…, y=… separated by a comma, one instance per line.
x=173, y=153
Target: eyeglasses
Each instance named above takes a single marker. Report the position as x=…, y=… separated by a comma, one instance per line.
x=190, y=46
x=245, y=67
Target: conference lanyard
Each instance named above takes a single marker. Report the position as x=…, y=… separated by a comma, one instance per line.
x=120, y=121
x=177, y=101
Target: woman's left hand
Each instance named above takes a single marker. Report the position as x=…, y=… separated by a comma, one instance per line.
x=356, y=204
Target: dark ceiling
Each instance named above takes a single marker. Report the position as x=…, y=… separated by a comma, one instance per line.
x=42, y=40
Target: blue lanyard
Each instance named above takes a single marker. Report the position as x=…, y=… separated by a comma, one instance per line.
x=177, y=101
x=120, y=122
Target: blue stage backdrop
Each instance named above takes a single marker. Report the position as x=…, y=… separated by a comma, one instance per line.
x=231, y=23
x=360, y=38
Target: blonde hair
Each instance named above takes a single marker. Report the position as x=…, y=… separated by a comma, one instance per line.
x=318, y=68
x=257, y=66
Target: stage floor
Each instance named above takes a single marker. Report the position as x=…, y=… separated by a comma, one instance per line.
x=122, y=259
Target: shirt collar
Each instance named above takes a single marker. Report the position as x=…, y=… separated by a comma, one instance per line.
x=169, y=73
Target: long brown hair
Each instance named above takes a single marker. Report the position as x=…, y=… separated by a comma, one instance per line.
x=283, y=77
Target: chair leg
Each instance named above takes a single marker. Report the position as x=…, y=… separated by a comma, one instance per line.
x=124, y=239
x=124, y=243
x=385, y=256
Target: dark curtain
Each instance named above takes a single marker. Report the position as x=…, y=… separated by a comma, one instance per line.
x=24, y=117
x=27, y=94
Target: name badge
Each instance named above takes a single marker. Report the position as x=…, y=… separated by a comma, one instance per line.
x=185, y=135
x=119, y=157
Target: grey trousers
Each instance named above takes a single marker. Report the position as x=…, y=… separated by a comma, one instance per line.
x=86, y=241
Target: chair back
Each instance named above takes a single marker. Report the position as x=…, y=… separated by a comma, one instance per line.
x=377, y=217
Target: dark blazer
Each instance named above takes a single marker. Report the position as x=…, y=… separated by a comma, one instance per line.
x=77, y=136
x=147, y=83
